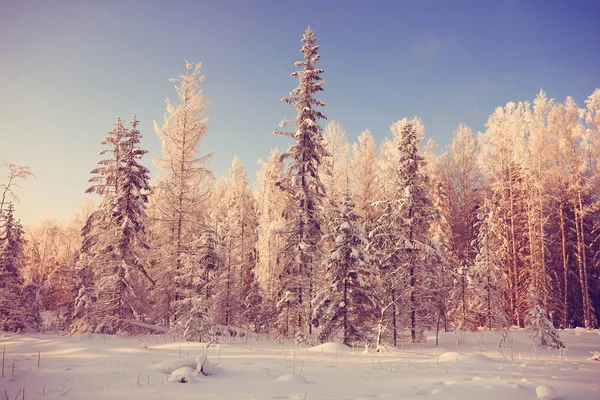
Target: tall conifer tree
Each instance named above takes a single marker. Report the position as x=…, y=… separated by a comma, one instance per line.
x=305, y=191
x=114, y=244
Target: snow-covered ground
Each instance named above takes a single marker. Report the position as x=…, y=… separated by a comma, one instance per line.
x=111, y=367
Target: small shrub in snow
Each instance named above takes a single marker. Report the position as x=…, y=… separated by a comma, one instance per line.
x=301, y=339
x=544, y=333
x=199, y=325
x=204, y=366
x=595, y=356
x=105, y=327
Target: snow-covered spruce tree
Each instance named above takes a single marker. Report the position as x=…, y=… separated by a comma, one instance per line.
x=130, y=204
x=401, y=244
x=184, y=190
x=199, y=323
x=305, y=194
x=84, y=314
x=193, y=280
x=441, y=233
x=543, y=332
x=489, y=278
x=12, y=307
x=104, y=182
x=386, y=245
x=195, y=309
x=346, y=306
x=416, y=211
x=106, y=178
x=208, y=261
x=258, y=312
x=114, y=236
x=31, y=303
x=462, y=296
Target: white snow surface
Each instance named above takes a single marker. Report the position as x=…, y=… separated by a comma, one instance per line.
x=292, y=378
x=472, y=358
x=112, y=367
x=330, y=348
x=168, y=367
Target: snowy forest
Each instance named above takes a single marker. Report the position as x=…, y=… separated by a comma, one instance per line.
x=360, y=243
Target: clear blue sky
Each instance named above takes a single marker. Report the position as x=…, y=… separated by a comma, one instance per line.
x=69, y=68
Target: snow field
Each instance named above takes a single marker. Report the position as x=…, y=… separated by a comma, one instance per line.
x=111, y=367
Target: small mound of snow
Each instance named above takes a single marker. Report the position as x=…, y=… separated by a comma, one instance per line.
x=453, y=356
x=291, y=378
x=330, y=348
x=198, y=364
x=167, y=367
x=545, y=392
x=183, y=375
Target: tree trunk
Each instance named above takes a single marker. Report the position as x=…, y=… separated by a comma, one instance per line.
x=228, y=293
x=180, y=196
x=489, y=303
x=513, y=241
x=413, y=313
x=394, y=326
x=587, y=321
x=437, y=328
x=463, y=298
x=413, y=282
x=544, y=276
x=565, y=263
x=304, y=210
x=345, y=310
x=379, y=331
x=534, y=273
